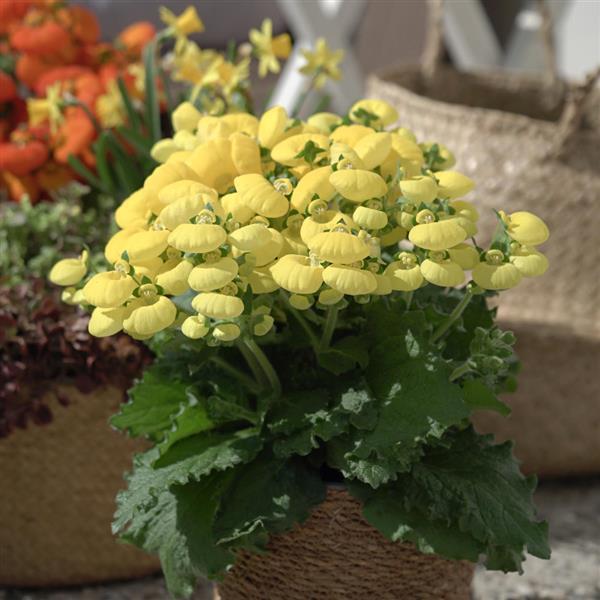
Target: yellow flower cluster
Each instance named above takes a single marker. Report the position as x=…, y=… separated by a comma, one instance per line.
x=244, y=214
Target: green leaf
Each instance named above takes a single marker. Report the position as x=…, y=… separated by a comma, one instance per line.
x=152, y=103
x=479, y=397
x=191, y=420
x=270, y=495
x=345, y=355
x=132, y=115
x=102, y=162
x=87, y=175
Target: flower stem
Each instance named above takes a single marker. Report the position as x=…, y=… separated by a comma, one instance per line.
x=250, y=359
x=460, y=371
x=302, y=98
x=265, y=365
x=250, y=383
x=454, y=315
x=329, y=328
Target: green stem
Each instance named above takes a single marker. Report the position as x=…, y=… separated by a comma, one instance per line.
x=302, y=98
x=265, y=365
x=250, y=383
x=329, y=328
x=460, y=371
x=454, y=315
x=314, y=340
x=408, y=296
x=252, y=362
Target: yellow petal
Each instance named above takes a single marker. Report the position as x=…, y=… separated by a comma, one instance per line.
x=439, y=235
x=350, y=134
x=226, y=332
x=295, y=274
x=151, y=318
x=261, y=281
x=210, y=276
x=393, y=236
x=452, y=184
x=529, y=261
x=108, y=290
x=339, y=152
x=358, y=185
x=292, y=243
x=232, y=204
x=464, y=255
x=338, y=247
x=163, y=149
x=213, y=164
x=182, y=210
x=145, y=245
x=370, y=218
x=194, y=327
x=245, y=154
x=496, y=277
x=200, y=237
x=185, y=117
x=285, y=152
x=250, y=237
x=271, y=126
x=242, y=123
x=407, y=150
x=330, y=297
x=403, y=279
x=384, y=285
x=184, y=188
x=107, y=321
x=175, y=280
x=261, y=196
x=300, y=302
x=323, y=121
x=162, y=176
x=218, y=306
x=68, y=271
x=386, y=112
x=527, y=228
x=133, y=211
x=318, y=223
x=444, y=274
x=465, y=209
x=419, y=189
x=314, y=182
x=117, y=244
x=447, y=158
x=264, y=326
x=210, y=128
x=349, y=280
x=268, y=252
x=374, y=148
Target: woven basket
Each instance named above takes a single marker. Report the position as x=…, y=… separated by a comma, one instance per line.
x=57, y=496
x=529, y=144
x=337, y=555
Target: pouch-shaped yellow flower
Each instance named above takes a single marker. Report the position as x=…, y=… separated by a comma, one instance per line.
x=210, y=127
x=185, y=117
x=261, y=196
x=385, y=112
x=271, y=127
x=105, y=322
x=403, y=277
x=349, y=280
x=374, y=148
x=465, y=209
x=326, y=220
x=194, y=327
x=314, y=182
x=344, y=156
x=467, y=224
x=186, y=141
x=175, y=280
x=358, y=185
x=438, y=235
x=529, y=261
x=233, y=204
x=109, y=289
x=197, y=237
x=163, y=149
x=148, y=319
x=338, y=247
x=300, y=302
x=452, y=184
x=502, y=276
x=261, y=281
x=162, y=176
x=408, y=151
x=116, y=245
x=464, y=255
x=250, y=237
x=245, y=154
x=370, y=218
x=446, y=158
x=133, y=211
x=442, y=272
x=392, y=237
x=419, y=189
x=242, y=123
x=292, y=242
x=213, y=164
x=226, y=332
x=268, y=252
x=145, y=245
x=296, y=274
x=69, y=271
x=350, y=134
x=323, y=121
x=182, y=210
x=330, y=297
x=210, y=276
x=264, y=325
x=526, y=228
x=286, y=151
x=384, y=285
x=218, y=306
x=185, y=188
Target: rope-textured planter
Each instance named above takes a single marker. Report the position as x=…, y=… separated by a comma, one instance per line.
x=58, y=487
x=336, y=555
x=529, y=142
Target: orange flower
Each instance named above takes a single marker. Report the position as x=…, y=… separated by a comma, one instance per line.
x=16, y=187
x=8, y=89
x=11, y=13
x=136, y=36
x=22, y=158
x=53, y=176
x=65, y=74
x=46, y=38
x=81, y=22
x=75, y=136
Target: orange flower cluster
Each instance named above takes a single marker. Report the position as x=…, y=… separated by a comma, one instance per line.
x=54, y=46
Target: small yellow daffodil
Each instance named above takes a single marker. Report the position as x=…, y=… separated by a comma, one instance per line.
x=269, y=49
x=48, y=109
x=110, y=108
x=186, y=23
x=322, y=63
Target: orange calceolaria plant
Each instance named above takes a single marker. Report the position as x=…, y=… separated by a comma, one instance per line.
x=58, y=88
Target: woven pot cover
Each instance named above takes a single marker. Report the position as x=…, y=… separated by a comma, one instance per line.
x=336, y=555
x=59, y=483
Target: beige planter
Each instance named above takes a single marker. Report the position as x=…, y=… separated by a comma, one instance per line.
x=57, y=499
x=337, y=555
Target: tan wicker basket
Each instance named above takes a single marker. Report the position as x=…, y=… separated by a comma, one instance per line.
x=57, y=498
x=337, y=555
x=529, y=146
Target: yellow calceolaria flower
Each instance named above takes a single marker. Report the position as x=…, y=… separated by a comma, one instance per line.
x=251, y=218
x=186, y=23
x=268, y=48
x=322, y=63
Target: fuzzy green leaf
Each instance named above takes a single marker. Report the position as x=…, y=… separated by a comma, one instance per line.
x=345, y=355
x=479, y=397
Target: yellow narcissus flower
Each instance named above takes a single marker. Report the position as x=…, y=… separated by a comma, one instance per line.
x=419, y=189
x=441, y=270
x=250, y=237
x=464, y=255
x=338, y=246
x=322, y=63
x=69, y=271
x=218, y=306
x=452, y=184
x=194, y=327
x=323, y=121
x=349, y=280
x=175, y=280
x=183, y=25
x=226, y=332
x=269, y=48
x=370, y=218
x=213, y=164
x=297, y=274
x=197, y=237
x=271, y=127
x=213, y=274
x=386, y=114
x=373, y=149
x=526, y=228
x=185, y=117
x=286, y=151
x=436, y=235
x=496, y=274
x=109, y=290
x=404, y=274
x=257, y=193
x=358, y=185
x=245, y=154
x=314, y=182
x=529, y=261
x=105, y=322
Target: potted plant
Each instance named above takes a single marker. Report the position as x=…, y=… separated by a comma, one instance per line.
x=320, y=351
